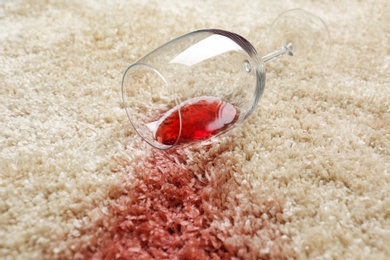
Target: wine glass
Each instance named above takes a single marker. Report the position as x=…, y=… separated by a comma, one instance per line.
x=204, y=83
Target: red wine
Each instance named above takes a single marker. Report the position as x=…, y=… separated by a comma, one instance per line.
x=201, y=119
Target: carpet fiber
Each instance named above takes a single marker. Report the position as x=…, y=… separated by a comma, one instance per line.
x=306, y=176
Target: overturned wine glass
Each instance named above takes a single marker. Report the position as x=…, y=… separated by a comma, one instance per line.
x=204, y=83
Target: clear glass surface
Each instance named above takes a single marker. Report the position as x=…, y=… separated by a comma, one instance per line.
x=204, y=83
x=205, y=64
x=309, y=38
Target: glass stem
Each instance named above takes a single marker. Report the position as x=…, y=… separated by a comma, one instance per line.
x=287, y=49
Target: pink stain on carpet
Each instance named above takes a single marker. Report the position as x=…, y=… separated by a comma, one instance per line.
x=172, y=209
x=163, y=217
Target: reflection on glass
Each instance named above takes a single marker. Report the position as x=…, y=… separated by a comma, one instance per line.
x=207, y=48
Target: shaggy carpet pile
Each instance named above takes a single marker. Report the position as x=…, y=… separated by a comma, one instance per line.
x=305, y=177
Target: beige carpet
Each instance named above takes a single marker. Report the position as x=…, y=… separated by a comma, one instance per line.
x=307, y=176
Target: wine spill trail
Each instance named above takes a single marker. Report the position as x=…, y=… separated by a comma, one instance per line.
x=176, y=206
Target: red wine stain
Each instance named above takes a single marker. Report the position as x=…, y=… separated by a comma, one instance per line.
x=181, y=205
x=201, y=119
